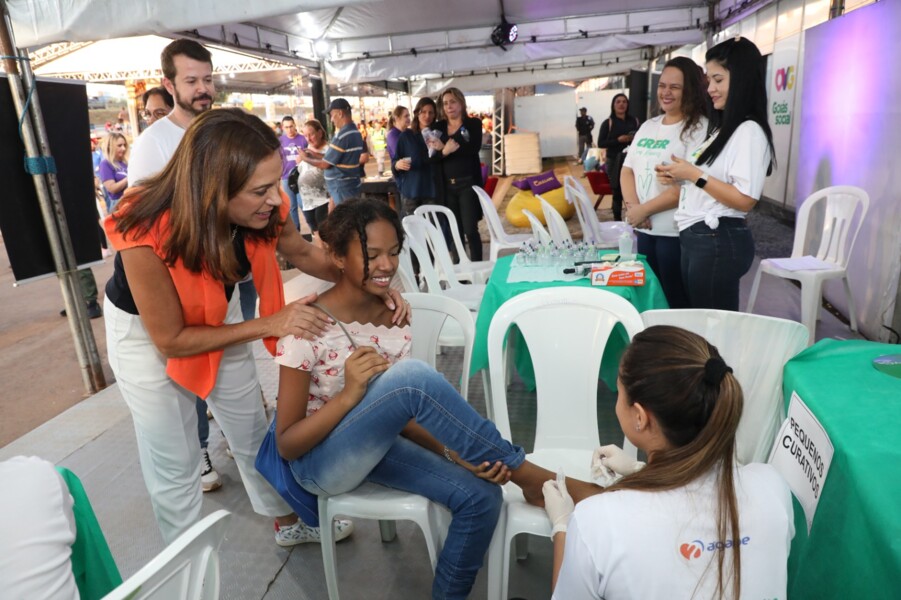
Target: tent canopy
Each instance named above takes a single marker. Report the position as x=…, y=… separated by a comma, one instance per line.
x=424, y=42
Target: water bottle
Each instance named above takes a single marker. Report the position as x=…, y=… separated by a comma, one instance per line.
x=625, y=246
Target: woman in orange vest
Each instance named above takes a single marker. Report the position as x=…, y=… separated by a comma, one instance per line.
x=173, y=320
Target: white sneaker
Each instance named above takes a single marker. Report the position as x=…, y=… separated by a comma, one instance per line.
x=301, y=533
x=209, y=478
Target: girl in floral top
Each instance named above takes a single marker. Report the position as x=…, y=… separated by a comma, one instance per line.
x=354, y=408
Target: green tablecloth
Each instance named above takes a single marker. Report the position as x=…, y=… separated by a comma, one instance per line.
x=499, y=291
x=93, y=566
x=854, y=546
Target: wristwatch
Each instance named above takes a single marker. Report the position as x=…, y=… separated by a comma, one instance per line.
x=701, y=182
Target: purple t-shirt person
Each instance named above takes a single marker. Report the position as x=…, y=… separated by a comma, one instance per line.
x=117, y=173
x=290, y=146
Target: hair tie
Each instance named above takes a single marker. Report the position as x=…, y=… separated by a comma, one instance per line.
x=715, y=370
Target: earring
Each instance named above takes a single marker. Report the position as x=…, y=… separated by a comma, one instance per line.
x=638, y=427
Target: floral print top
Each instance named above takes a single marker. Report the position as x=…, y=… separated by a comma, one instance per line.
x=324, y=356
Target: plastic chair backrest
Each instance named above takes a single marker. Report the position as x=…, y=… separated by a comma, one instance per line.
x=588, y=217
x=573, y=197
x=566, y=331
x=187, y=569
x=431, y=213
x=406, y=272
x=495, y=228
x=836, y=240
x=430, y=311
x=425, y=237
x=757, y=348
x=555, y=223
x=538, y=230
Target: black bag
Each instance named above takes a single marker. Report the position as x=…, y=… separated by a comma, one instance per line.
x=292, y=180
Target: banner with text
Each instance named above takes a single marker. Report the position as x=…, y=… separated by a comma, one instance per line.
x=782, y=87
x=802, y=454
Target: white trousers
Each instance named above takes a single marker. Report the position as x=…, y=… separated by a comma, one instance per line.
x=165, y=421
x=37, y=530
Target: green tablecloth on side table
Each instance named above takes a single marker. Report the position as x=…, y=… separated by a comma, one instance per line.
x=93, y=566
x=854, y=546
x=498, y=291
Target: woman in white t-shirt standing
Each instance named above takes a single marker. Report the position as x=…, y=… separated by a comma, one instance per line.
x=692, y=523
x=311, y=179
x=724, y=177
x=650, y=205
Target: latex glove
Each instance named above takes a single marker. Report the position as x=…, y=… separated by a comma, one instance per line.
x=609, y=464
x=558, y=504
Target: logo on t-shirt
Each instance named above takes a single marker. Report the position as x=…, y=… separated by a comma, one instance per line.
x=692, y=550
x=652, y=143
x=695, y=548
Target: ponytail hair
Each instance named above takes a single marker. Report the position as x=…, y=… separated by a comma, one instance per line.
x=680, y=379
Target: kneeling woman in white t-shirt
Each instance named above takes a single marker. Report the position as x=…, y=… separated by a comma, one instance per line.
x=650, y=205
x=724, y=177
x=691, y=524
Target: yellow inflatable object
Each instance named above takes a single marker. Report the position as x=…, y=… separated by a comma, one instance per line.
x=527, y=200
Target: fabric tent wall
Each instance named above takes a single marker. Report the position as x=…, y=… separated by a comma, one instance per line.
x=553, y=117
x=848, y=136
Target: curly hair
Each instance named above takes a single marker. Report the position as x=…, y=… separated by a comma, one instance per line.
x=350, y=219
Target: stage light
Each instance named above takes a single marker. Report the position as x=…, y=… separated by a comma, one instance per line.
x=322, y=48
x=503, y=34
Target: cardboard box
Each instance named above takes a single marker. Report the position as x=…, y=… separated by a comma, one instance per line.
x=618, y=274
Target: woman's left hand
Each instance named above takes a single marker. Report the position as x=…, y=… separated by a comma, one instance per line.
x=679, y=170
x=637, y=216
x=403, y=314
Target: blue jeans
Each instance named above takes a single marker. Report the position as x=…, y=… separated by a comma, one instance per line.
x=365, y=446
x=203, y=422
x=248, y=298
x=295, y=202
x=714, y=260
x=343, y=189
x=664, y=256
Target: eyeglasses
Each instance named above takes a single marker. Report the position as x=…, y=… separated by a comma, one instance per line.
x=157, y=114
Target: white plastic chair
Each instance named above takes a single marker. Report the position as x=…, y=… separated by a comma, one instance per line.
x=371, y=501
x=187, y=569
x=465, y=269
x=835, y=244
x=555, y=224
x=422, y=235
x=538, y=231
x=588, y=217
x=500, y=239
x=757, y=349
x=565, y=331
x=405, y=271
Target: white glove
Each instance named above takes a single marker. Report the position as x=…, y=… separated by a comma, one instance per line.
x=610, y=463
x=558, y=504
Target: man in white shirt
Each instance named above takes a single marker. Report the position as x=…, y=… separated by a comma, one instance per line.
x=188, y=77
